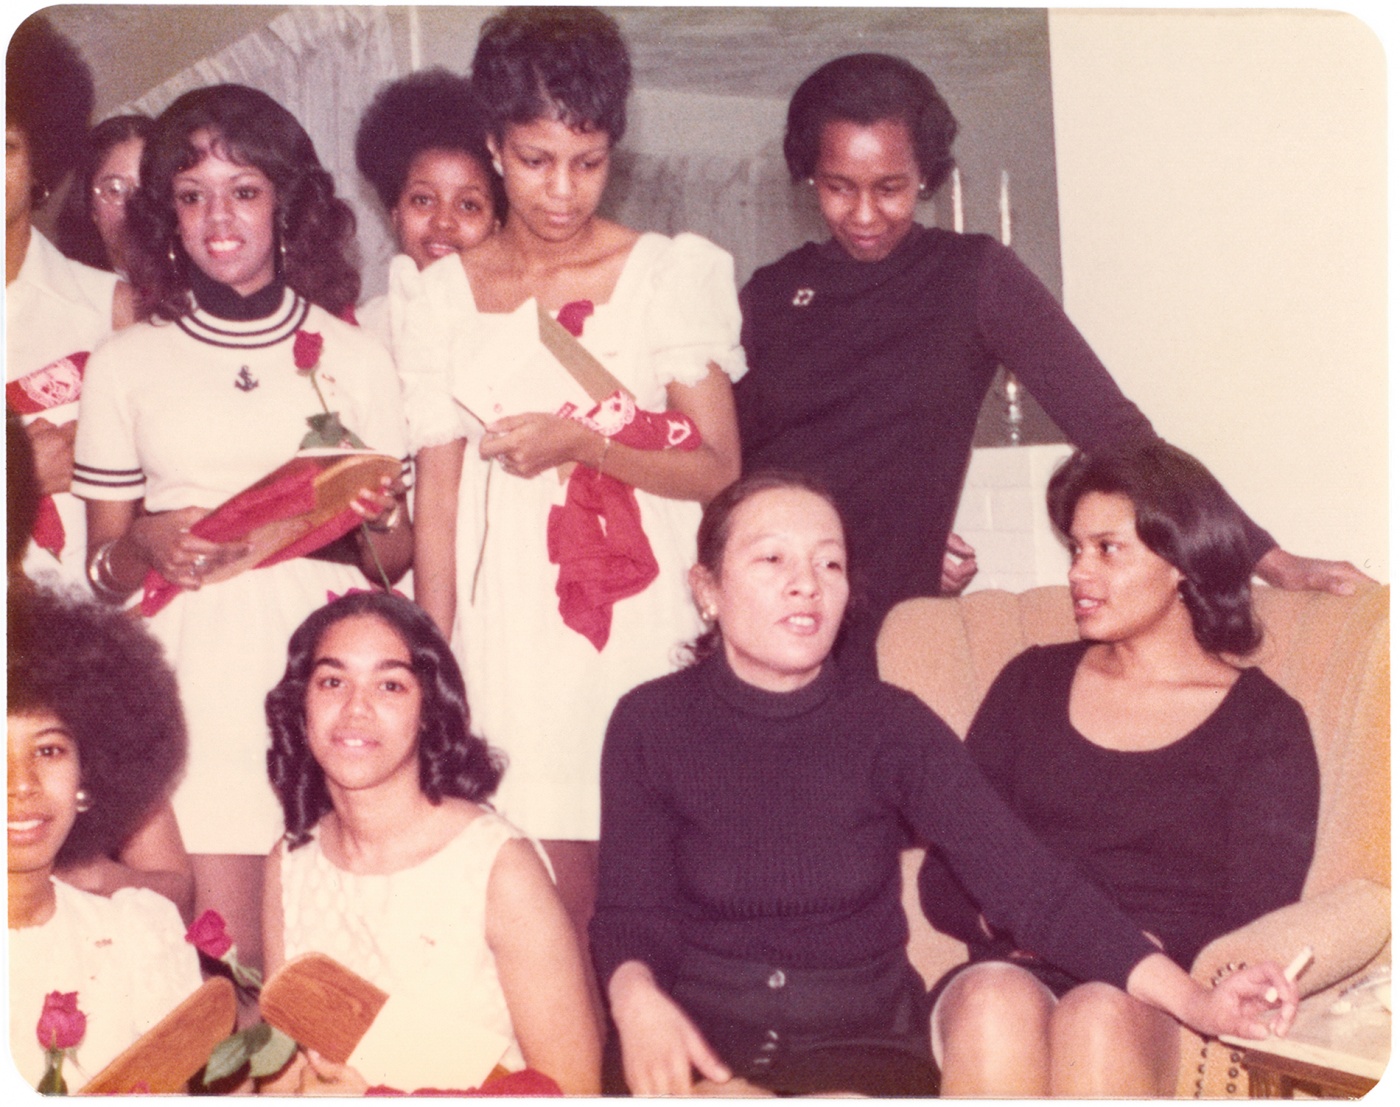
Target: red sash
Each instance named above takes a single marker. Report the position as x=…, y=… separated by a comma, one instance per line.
x=55, y=385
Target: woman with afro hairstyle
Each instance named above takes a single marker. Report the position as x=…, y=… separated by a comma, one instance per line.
x=559, y=595
x=239, y=246
x=92, y=225
x=56, y=310
x=871, y=353
x=1184, y=786
x=394, y=864
x=422, y=145
x=95, y=739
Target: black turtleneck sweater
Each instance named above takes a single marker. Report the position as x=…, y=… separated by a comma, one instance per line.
x=768, y=827
x=870, y=375
x=220, y=300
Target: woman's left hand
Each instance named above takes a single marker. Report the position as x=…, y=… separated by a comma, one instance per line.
x=1310, y=574
x=1254, y=1002
x=527, y=445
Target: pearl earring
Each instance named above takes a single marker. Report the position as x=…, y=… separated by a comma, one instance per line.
x=84, y=801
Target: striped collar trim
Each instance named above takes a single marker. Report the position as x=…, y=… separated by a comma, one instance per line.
x=252, y=334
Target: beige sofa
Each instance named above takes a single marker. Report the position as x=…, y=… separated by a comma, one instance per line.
x=1331, y=653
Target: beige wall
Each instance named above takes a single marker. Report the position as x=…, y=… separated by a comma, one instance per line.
x=1223, y=225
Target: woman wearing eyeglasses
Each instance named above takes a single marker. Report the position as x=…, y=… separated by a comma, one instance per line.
x=93, y=219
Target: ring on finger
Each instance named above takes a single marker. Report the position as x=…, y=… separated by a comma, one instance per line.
x=199, y=563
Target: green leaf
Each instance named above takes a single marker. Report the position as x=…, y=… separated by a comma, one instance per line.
x=327, y=432
x=273, y=1055
x=228, y=1057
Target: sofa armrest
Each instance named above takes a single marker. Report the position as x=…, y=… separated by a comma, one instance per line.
x=1346, y=927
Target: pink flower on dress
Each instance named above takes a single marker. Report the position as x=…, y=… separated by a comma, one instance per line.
x=61, y=1024
x=209, y=935
x=306, y=349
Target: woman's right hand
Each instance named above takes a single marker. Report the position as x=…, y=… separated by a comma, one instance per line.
x=659, y=1042
x=164, y=542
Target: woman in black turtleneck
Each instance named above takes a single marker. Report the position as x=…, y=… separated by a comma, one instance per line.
x=869, y=354
x=754, y=807
x=238, y=245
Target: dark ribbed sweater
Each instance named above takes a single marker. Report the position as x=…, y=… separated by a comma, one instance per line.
x=1191, y=840
x=870, y=376
x=768, y=827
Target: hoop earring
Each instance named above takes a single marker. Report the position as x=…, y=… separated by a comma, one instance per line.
x=84, y=801
x=170, y=253
x=498, y=167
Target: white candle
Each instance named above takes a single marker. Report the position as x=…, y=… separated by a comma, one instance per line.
x=957, y=201
x=1005, y=208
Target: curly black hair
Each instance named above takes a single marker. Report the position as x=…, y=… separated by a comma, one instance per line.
x=106, y=678
x=451, y=760
x=866, y=89
x=569, y=64
x=1185, y=517
x=315, y=228
x=76, y=233
x=428, y=110
x=48, y=96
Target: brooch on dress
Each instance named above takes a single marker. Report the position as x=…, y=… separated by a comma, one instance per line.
x=803, y=297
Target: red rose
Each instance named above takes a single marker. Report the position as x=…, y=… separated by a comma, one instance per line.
x=306, y=349
x=61, y=1025
x=209, y=934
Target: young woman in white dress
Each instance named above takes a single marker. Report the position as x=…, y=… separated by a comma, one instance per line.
x=493, y=452
x=95, y=739
x=394, y=864
x=239, y=245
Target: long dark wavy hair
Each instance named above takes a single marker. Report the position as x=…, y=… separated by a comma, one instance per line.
x=1185, y=517
x=315, y=229
x=716, y=524
x=451, y=760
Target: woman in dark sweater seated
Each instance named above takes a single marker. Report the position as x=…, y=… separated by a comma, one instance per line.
x=749, y=923
x=1185, y=787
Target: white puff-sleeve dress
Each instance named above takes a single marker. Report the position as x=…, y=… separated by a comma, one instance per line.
x=187, y=414
x=539, y=690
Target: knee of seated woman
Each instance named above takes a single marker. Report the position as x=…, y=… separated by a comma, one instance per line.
x=1096, y=1004
x=990, y=991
